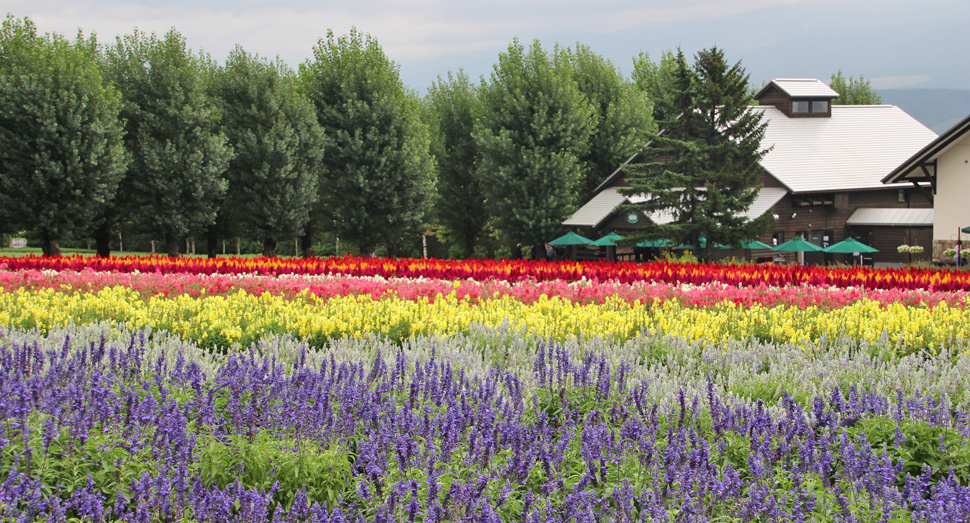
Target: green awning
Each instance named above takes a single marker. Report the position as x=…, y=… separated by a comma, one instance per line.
x=797, y=245
x=607, y=241
x=570, y=238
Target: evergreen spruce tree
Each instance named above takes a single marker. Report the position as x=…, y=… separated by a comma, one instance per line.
x=278, y=145
x=452, y=107
x=61, y=150
x=704, y=162
x=378, y=178
x=534, y=130
x=178, y=154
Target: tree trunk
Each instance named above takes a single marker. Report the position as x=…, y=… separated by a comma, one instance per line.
x=306, y=243
x=102, y=237
x=538, y=251
x=51, y=247
x=269, y=247
x=212, y=242
x=172, y=245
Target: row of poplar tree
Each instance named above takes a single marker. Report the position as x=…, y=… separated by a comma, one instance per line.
x=145, y=136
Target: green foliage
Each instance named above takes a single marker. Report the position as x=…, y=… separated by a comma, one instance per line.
x=704, y=163
x=378, y=173
x=61, y=151
x=622, y=114
x=656, y=80
x=534, y=130
x=917, y=444
x=178, y=153
x=278, y=147
x=853, y=91
x=451, y=108
x=265, y=459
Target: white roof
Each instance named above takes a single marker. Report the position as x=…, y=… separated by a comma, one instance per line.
x=809, y=87
x=917, y=217
x=597, y=210
x=854, y=149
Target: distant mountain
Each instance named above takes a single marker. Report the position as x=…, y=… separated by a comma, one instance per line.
x=938, y=109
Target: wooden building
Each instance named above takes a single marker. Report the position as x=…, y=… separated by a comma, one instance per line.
x=943, y=164
x=821, y=180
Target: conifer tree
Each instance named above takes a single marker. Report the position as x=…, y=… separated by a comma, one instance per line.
x=704, y=162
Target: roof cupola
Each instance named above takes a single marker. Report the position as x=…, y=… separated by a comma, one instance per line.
x=798, y=97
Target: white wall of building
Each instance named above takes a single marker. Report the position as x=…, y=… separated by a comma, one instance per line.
x=952, y=200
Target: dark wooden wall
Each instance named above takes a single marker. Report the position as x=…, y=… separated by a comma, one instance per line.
x=778, y=98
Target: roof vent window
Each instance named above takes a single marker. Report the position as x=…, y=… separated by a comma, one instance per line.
x=799, y=106
x=820, y=106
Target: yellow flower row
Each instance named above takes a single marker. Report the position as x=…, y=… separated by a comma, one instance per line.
x=243, y=318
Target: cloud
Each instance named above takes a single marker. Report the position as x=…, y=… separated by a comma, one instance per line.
x=889, y=82
x=410, y=30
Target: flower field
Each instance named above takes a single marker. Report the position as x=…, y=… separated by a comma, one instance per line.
x=350, y=389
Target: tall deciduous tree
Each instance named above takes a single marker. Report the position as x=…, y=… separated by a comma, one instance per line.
x=453, y=106
x=656, y=79
x=178, y=154
x=278, y=148
x=705, y=161
x=622, y=114
x=853, y=91
x=61, y=151
x=533, y=132
x=378, y=179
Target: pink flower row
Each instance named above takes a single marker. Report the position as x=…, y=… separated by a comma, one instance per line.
x=152, y=284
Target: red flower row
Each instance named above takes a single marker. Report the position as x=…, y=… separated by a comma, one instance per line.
x=518, y=270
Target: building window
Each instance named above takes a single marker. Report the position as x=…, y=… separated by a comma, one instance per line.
x=778, y=238
x=902, y=196
x=820, y=107
x=799, y=106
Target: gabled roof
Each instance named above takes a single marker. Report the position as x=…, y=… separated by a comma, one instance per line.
x=600, y=208
x=930, y=152
x=800, y=88
x=854, y=149
x=892, y=217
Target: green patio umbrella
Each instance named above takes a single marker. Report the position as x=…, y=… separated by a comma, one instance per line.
x=753, y=244
x=703, y=242
x=849, y=246
x=965, y=230
x=570, y=239
x=797, y=245
x=607, y=241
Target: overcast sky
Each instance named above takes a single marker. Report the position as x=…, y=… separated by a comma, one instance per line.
x=897, y=44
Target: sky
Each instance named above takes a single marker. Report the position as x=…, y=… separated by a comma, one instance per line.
x=895, y=44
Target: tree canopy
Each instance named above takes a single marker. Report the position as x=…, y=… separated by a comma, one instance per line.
x=622, y=115
x=378, y=178
x=61, y=151
x=178, y=154
x=452, y=107
x=278, y=145
x=853, y=91
x=704, y=162
x=534, y=130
